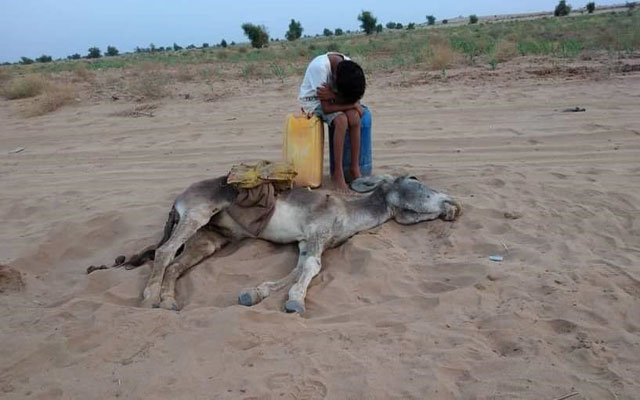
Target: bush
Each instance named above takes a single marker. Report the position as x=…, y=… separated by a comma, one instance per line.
x=257, y=34
x=224, y=43
x=431, y=20
x=176, y=47
x=26, y=60
x=327, y=32
x=150, y=84
x=338, y=32
x=75, y=56
x=191, y=47
x=399, y=25
x=367, y=22
x=391, y=25
x=295, y=30
x=473, y=19
x=44, y=59
x=379, y=28
x=591, y=7
x=25, y=87
x=94, y=52
x=562, y=9
x=111, y=51
x=55, y=96
x=445, y=21
x=506, y=51
x=442, y=57
x=411, y=26
x=205, y=45
x=631, y=5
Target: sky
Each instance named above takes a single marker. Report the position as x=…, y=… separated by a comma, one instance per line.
x=62, y=27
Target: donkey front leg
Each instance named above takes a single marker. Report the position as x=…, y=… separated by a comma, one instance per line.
x=310, y=269
x=252, y=296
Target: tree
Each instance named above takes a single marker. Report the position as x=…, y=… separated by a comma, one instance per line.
x=327, y=32
x=224, y=43
x=94, y=52
x=379, y=28
x=111, y=51
x=295, y=30
x=176, y=47
x=391, y=25
x=338, y=32
x=591, y=7
x=191, y=47
x=411, y=26
x=205, y=45
x=44, y=59
x=431, y=20
x=399, y=25
x=562, y=9
x=473, y=19
x=445, y=21
x=257, y=34
x=25, y=60
x=75, y=56
x=368, y=22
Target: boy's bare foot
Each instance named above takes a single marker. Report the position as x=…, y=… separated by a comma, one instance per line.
x=339, y=185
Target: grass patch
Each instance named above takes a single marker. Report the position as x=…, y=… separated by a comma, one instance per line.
x=149, y=83
x=56, y=95
x=24, y=87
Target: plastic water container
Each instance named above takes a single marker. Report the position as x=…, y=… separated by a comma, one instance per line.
x=366, y=153
x=304, y=148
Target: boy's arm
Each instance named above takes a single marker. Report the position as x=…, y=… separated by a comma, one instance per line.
x=331, y=107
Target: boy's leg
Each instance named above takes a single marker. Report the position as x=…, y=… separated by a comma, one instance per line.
x=340, y=123
x=353, y=119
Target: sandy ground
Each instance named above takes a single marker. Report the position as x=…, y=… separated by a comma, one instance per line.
x=400, y=312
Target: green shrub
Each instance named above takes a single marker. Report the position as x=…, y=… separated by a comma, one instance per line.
x=224, y=43
x=379, y=28
x=562, y=9
x=473, y=19
x=391, y=25
x=257, y=34
x=94, y=52
x=591, y=7
x=411, y=26
x=75, y=56
x=339, y=32
x=367, y=22
x=445, y=21
x=205, y=45
x=295, y=30
x=44, y=59
x=111, y=51
x=26, y=60
x=431, y=20
x=327, y=32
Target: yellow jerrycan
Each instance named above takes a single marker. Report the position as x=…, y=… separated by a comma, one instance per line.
x=304, y=148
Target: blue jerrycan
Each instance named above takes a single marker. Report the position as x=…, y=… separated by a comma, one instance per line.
x=366, y=156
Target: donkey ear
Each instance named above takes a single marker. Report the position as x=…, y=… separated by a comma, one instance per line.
x=369, y=183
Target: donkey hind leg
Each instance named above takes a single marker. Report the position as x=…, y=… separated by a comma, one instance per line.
x=192, y=220
x=310, y=269
x=200, y=246
x=252, y=296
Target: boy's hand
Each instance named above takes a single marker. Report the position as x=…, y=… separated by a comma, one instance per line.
x=325, y=93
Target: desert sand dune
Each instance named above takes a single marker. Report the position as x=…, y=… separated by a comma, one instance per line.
x=399, y=312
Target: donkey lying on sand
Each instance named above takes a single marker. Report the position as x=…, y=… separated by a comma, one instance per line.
x=199, y=225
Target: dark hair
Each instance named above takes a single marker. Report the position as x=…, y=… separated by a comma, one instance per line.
x=350, y=81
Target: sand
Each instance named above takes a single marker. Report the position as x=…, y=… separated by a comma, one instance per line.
x=399, y=312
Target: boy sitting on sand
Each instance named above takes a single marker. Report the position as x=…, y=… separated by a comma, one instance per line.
x=332, y=88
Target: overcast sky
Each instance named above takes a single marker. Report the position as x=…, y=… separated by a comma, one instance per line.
x=63, y=27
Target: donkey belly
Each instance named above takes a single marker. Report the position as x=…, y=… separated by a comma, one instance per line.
x=287, y=224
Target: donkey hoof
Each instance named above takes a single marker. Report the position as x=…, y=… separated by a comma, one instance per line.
x=169, y=304
x=294, y=306
x=249, y=297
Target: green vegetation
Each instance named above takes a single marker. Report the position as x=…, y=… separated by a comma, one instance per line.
x=367, y=22
x=94, y=52
x=614, y=33
x=44, y=59
x=327, y=32
x=411, y=26
x=473, y=19
x=591, y=7
x=295, y=30
x=379, y=28
x=562, y=9
x=339, y=32
x=431, y=20
x=111, y=51
x=26, y=61
x=257, y=34
x=223, y=44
